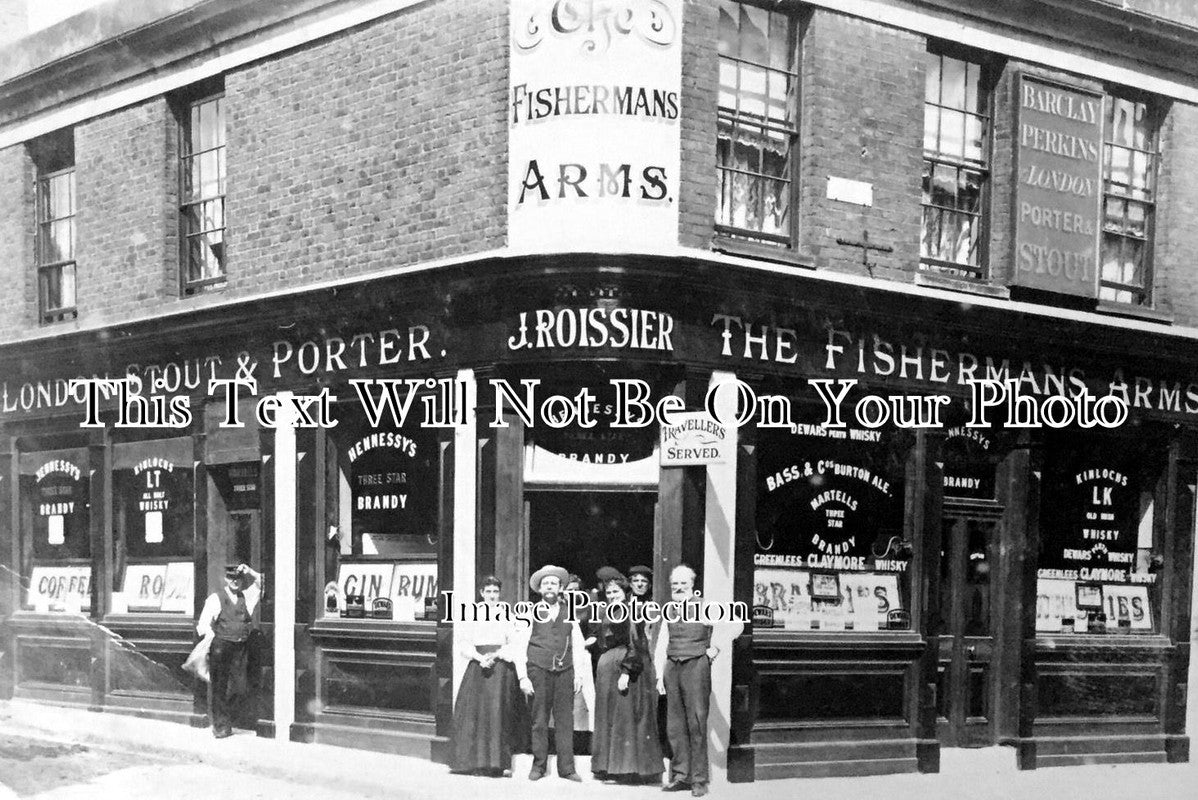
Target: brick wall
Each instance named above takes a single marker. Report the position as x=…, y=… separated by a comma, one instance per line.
x=18, y=282
x=377, y=147
x=382, y=147
x=861, y=119
x=700, y=84
x=1176, y=242
x=127, y=229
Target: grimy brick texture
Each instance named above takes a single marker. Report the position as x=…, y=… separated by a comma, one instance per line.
x=700, y=87
x=1176, y=240
x=18, y=280
x=861, y=119
x=377, y=147
x=381, y=147
x=126, y=236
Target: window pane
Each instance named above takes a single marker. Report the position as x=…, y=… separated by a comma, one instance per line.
x=952, y=134
x=969, y=192
x=777, y=202
x=931, y=129
x=953, y=87
x=752, y=90
x=973, y=74
x=754, y=22
x=1137, y=220
x=931, y=86
x=729, y=15
x=975, y=141
x=67, y=273
x=728, y=84
x=944, y=186
x=779, y=42
x=1113, y=217
x=1120, y=170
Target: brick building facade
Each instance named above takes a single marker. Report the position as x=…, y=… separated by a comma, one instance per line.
x=319, y=193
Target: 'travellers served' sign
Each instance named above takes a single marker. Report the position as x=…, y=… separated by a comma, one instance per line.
x=593, y=115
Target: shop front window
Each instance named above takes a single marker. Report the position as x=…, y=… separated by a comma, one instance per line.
x=383, y=560
x=55, y=536
x=153, y=485
x=1099, y=558
x=830, y=553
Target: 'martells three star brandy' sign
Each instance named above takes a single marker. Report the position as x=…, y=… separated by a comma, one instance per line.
x=1058, y=194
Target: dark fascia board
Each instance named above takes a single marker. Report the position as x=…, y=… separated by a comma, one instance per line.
x=1095, y=25
x=121, y=41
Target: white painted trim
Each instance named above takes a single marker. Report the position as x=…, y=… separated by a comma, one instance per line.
x=719, y=539
x=157, y=84
x=281, y=582
x=465, y=477
x=1058, y=55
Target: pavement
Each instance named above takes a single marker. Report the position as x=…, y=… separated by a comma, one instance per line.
x=51, y=753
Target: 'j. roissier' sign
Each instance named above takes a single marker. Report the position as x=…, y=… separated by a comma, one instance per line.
x=593, y=116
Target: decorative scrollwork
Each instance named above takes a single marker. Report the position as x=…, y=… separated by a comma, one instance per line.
x=597, y=23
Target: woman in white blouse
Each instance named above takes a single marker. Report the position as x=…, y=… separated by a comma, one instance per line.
x=490, y=717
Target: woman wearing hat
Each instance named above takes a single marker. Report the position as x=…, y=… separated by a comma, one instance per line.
x=490, y=718
x=625, y=744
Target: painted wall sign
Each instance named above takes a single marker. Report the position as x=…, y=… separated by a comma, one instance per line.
x=369, y=580
x=1056, y=605
x=829, y=503
x=65, y=587
x=392, y=483
x=413, y=583
x=1091, y=526
x=58, y=491
x=1058, y=193
x=593, y=115
x=863, y=603
x=695, y=440
x=969, y=468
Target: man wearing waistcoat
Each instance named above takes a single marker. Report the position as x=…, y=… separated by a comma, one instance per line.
x=683, y=659
x=229, y=616
x=554, y=657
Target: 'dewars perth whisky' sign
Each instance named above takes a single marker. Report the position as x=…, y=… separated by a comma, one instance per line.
x=593, y=117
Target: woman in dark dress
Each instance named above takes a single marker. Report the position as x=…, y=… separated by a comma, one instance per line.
x=625, y=744
x=490, y=717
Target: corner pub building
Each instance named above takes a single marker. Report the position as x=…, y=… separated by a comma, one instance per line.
x=316, y=194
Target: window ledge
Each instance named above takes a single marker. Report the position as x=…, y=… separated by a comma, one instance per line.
x=1136, y=312
x=765, y=252
x=933, y=281
x=200, y=288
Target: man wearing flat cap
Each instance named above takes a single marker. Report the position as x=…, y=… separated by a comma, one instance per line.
x=550, y=659
x=229, y=616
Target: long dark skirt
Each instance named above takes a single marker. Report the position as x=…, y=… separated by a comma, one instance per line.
x=625, y=740
x=490, y=719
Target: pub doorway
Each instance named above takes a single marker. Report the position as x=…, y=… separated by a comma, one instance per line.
x=582, y=530
x=964, y=690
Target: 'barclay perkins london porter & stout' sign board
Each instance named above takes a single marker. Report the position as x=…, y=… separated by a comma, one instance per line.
x=593, y=125
x=1058, y=194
